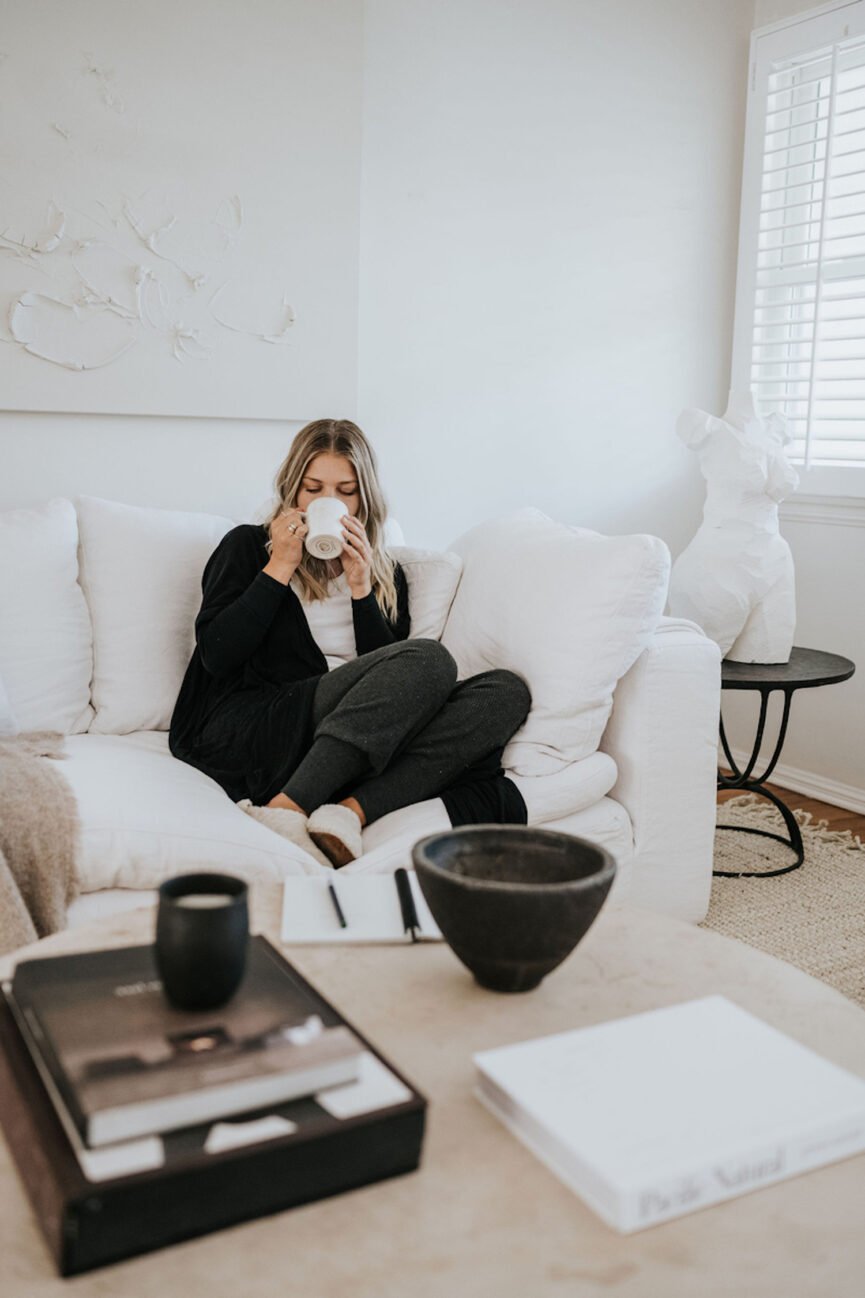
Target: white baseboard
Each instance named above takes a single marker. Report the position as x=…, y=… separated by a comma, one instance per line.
x=813, y=786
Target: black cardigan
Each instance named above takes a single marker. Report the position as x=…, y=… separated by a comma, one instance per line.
x=255, y=655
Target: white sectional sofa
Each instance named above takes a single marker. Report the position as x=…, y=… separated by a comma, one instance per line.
x=98, y=601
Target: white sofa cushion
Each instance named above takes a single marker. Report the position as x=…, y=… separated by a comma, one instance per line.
x=141, y=572
x=663, y=736
x=432, y=578
x=387, y=843
x=608, y=824
x=567, y=609
x=570, y=789
x=46, y=649
x=146, y=816
x=605, y=822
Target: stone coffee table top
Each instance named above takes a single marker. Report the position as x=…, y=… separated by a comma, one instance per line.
x=483, y=1217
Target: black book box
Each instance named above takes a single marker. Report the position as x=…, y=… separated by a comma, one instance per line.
x=88, y=1223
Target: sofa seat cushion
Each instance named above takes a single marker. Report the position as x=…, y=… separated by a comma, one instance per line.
x=388, y=842
x=605, y=822
x=608, y=824
x=567, y=609
x=146, y=816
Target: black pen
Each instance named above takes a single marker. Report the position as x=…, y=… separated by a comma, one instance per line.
x=343, y=922
x=410, y=921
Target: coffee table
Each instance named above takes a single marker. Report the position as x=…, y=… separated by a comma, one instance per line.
x=482, y=1216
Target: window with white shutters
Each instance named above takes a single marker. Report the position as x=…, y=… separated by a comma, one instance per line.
x=800, y=301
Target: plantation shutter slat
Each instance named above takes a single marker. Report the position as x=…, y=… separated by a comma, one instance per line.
x=807, y=262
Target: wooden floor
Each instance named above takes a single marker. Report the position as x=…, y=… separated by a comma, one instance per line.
x=838, y=817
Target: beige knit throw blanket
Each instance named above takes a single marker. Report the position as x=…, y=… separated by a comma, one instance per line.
x=39, y=832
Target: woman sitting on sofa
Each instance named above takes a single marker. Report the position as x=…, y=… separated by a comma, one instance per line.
x=304, y=697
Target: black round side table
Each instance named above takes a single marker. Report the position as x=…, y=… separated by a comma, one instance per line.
x=806, y=669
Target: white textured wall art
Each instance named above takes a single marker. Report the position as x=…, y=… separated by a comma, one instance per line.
x=178, y=228
x=735, y=578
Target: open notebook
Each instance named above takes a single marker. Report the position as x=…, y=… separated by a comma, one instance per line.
x=370, y=904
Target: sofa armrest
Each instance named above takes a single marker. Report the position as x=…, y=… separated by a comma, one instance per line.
x=663, y=737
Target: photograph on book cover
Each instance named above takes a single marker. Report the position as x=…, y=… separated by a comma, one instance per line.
x=150, y=264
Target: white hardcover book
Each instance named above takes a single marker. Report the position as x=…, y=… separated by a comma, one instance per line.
x=653, y=1116
x=369, y=904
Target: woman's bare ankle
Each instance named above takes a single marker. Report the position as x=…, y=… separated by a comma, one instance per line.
x=281, y=800
x=354, y=805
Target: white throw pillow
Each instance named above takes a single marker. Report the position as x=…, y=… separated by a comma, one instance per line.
x=432, y=578
x=141, y=572
x=46, y=653
x=567, y=609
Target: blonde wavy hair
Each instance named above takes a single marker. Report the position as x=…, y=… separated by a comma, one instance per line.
x=338, y=437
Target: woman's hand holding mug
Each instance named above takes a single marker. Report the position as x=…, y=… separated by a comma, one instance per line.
x=356, y=557
x=286, y=548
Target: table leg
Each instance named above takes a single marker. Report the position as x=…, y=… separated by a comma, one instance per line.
x=743, y=781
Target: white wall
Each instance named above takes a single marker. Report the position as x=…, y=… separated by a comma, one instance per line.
x=99, y=102
x=548, y=235
x=824, y=754
x=550, y=199
x=221, y=466
x=203, y=209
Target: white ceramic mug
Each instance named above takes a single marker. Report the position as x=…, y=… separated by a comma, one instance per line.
x=324, y=538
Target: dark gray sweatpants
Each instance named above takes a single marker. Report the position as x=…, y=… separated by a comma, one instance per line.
x=393, y=727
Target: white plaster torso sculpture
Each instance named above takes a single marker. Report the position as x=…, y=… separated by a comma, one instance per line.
x=735, y=579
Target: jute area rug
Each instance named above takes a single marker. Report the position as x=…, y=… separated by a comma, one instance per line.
x=814, y=917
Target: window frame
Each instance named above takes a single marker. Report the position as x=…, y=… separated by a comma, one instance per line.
x=796, y=34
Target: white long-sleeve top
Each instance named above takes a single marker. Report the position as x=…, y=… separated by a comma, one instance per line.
x=330, y=621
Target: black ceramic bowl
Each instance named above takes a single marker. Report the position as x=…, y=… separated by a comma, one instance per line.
x=512, y=901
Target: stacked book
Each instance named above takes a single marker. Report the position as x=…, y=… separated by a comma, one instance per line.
x=135, y=1125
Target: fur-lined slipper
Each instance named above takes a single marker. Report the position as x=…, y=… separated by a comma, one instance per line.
x=288, y=824
x=337, y=831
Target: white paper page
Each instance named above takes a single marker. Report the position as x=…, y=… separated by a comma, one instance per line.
x=125, y=1159
x=370, y=904
x=656, y=1094
x=375, y=1087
